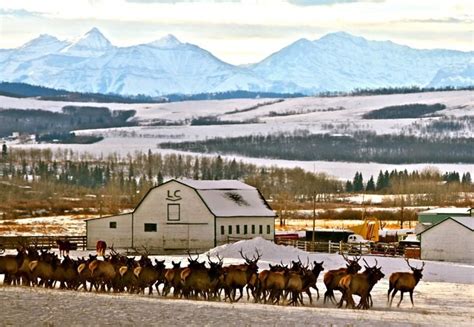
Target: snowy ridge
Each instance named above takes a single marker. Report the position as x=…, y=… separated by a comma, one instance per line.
x=335, y=62
x=91, y=44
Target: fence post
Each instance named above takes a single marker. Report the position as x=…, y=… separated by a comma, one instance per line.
x=340, y=247
x=329, y=246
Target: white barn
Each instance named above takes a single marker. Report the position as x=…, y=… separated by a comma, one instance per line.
x=452, y=239
x=187, y=214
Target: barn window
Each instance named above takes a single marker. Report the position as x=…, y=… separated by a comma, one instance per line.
x=237, y=229
x=222, y=230
x=245, y=229
x=253, y=229
x=150, y=228
x=230, y=229
x=268, y=229
x=173, y=212
x=260, y=229
x=113, y=224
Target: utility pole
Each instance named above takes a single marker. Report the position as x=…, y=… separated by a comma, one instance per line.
x=314, y=219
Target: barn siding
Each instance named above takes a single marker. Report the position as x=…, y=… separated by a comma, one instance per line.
x=99, y=229
x=196, y=222
x=242, y=221
x=448, y=241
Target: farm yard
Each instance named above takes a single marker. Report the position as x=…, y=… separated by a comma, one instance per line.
x=443, y=296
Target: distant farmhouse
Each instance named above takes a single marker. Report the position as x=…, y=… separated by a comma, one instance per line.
x=447, y=234
x=187, y=214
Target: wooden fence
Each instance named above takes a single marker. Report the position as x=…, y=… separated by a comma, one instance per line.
x=42, y=242
x=386, y=249
x=379, y=248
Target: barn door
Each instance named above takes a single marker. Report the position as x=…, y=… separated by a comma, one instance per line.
x=176, y=236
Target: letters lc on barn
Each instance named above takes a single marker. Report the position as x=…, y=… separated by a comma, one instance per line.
x=173, y=196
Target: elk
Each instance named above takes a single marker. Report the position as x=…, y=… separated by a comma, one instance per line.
x=191, y=275
x=173, y=279
x=10, y=265
x=312, y=278
x=404, y=282
x=360, y=284
x=85, y=274
x=332, y=277
x=103, y=272
x=43, y=269
x=148, y=275
x=238, y=276
x=64, y=247
x=126, y=276
x=100, y=248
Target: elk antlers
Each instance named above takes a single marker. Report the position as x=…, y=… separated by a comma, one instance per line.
x=254, y=258
x=414, y=268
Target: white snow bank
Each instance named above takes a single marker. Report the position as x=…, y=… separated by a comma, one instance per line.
x=434, y=271
x=269, y=250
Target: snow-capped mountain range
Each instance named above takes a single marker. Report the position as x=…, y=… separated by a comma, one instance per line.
x=335, y=62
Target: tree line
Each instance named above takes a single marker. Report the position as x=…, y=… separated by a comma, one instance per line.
x=41, y=181
x=360, y=147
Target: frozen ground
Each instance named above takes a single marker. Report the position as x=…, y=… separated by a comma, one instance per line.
x=436, y=304
x=444, y=297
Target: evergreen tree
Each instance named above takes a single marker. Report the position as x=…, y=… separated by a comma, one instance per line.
x=466, y=178
x=4, y=152
x=370, y=185
x=380, y=182
x=358, y=182
x=349, y=187
x=160, y=178
x=196, y=169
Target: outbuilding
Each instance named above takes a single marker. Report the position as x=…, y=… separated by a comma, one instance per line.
x=187, y=214
x=451, y=239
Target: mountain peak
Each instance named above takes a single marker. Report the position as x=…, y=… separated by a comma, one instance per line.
x=167, y=41
x=93, y=43
x=42, y=39
x=94, y=39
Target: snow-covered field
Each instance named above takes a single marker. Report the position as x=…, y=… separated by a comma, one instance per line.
x=443, y=297
x=336, y=115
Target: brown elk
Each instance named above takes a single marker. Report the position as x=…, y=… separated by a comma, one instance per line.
x=103, y=272
x=238, y=276
x=64, y=247
x=85, y=274
x=10, y=265
x=199, y=279
x=173, y=279
x=100, y=248
x=332, y=277
x=65, y=273
x=404, y=282
x=312, y=278
x=43, y=269
x=148, y=275
x=360, y=284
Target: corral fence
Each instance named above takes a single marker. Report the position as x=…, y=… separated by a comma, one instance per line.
x=379, y=248
x=42, y=242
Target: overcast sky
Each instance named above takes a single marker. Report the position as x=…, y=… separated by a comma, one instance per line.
x=242, y=31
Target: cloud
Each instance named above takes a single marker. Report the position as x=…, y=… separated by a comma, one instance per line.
x=180, y=1
x=326, y=2
x=19, y=13
x=447, y=20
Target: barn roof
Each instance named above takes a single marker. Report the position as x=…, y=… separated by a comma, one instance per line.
x=224, y=184
x=230, y=198
x=446, y=211
x=234, y=203
x=465, y=221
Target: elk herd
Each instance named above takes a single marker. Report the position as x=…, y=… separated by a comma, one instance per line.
x=207, y=279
